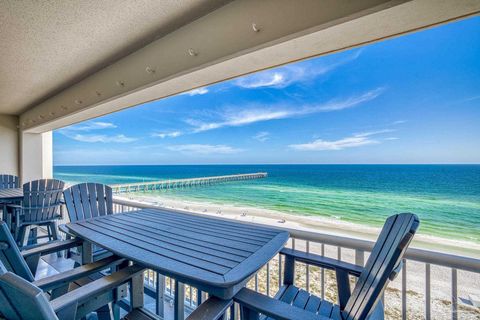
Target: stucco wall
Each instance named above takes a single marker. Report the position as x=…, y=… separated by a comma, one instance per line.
x=8, y=144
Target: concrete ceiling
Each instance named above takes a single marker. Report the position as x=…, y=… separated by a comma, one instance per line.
x=46, y=46
x=63, y=62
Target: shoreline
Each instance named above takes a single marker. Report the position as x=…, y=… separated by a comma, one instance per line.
x=305, y=223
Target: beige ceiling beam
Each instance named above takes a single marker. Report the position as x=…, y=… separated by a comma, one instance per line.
x=241, y=37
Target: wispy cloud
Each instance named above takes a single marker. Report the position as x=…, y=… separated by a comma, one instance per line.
x=233, y=118
x=72, y=132
x=119, y=138
x=204, y=149
x=198, y=91
x=356, y=140
x=391, y=138
x=262, y=136
x=163, y=135
x=91, y=126
x=284, y=76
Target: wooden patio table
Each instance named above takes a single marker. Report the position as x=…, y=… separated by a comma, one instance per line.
x=215, y=255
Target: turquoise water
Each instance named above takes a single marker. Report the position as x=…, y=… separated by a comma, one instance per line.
x=445, y=197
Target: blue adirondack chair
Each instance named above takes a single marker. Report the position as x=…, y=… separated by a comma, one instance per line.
x=23, y=263
x=8, y=181
x=40, y=207
x=85, y=201
x=383, y=265
x=23, y=300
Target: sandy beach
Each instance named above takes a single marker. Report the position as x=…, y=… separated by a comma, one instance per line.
x=307, y=223
x=468, y=283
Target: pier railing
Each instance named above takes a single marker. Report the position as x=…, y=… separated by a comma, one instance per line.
x=401, y=302
x=183, y=183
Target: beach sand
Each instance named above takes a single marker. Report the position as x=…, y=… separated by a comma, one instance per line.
x=468, y=282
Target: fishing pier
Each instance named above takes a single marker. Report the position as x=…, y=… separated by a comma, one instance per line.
x=183, y=183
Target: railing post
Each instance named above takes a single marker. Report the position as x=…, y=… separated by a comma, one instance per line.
x=427, y=292
x=454, y=295
x=268, y=278
x=359, y=257
x=404, y=290
x=307, y=268
x=159, y=303
x=322, y=274
x=179, y=308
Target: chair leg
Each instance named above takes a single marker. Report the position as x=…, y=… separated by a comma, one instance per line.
x=248, y=314
x=33, y=235
x=49, y=233
x=54, y=232
x=22, y=233
x=104, y=313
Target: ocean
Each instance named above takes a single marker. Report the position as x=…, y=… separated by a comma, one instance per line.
x=445, y=197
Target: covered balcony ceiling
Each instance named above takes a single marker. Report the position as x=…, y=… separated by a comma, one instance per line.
x=48, y=46
x=63, y=62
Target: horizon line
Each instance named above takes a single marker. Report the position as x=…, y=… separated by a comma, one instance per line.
x=269, y=164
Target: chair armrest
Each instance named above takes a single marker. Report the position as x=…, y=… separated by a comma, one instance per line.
x=51, y=247
x=212, y=309
x=63, y=228
x=14, y=206
x=273, y=308
x=61, y=279
x=324, y=262
x=95, y=288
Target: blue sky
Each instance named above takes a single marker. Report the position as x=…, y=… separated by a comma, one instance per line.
x=413, y=99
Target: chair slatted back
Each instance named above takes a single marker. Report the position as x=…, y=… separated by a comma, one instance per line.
x=20, y=299
x=8, y=181
x=10, y=255
x=88, y=200
x=384, y=262
x=42, y=200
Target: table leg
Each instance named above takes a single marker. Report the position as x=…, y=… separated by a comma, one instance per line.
x=7, y=217
x=136, y=291
x=179, y=311
x=87, y=252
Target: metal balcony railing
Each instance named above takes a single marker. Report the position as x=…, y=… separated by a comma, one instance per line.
x=441, y=297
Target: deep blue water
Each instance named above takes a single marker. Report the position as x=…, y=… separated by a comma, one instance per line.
x=446, y=197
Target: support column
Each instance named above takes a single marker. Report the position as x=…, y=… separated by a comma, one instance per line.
x=36, y=156
x=9, y=145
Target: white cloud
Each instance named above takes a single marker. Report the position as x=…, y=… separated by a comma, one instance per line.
x=356, y=140
x=371, y=133
x=198, y=91
x=72, y=133
x=204, y=149
x=391, y=138
x=164, y=135
x=91, y=126
x=282, y=77
x=233, y=118
x=277, y=79
x=262, y=136
x=92, y=138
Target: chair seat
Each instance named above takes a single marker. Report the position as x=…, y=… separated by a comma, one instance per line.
x=302, y=299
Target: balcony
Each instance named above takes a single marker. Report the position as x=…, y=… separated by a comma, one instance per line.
x=76, y=61
x=431, y=284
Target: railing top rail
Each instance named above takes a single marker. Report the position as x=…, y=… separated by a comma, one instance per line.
x=416, y=254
